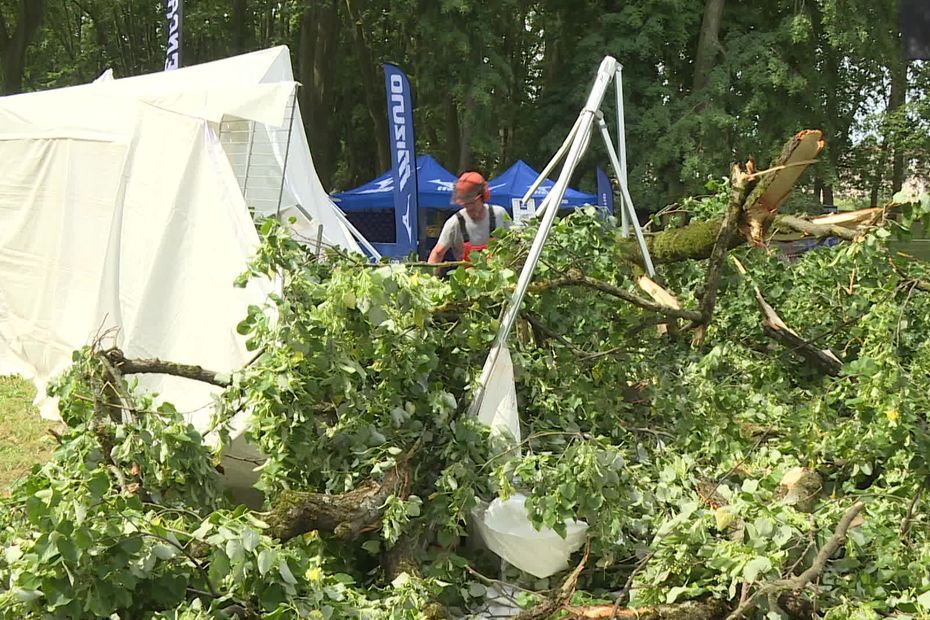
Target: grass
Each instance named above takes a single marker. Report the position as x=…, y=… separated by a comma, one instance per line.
x=24, y=437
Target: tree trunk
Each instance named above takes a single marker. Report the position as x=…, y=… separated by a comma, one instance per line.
x=827, y=196
x=374, y=99
x=239, y=27
x=895, y=107
x=708, y=43
x=13, y=44
x=318, y=37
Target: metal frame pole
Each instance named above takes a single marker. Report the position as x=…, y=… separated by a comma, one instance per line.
x=582, y=131
x=287, y=150
x=621, y=146
x=626, y=203
x=553, y=162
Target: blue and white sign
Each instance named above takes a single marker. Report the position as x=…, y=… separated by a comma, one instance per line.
x=404, y=173
x=605, y=193
x=174, y=13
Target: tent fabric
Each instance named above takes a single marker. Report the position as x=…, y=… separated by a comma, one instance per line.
x=257, y=87
x=513, y=183
x=434, y=189
x=104, y=234
x=120, y=214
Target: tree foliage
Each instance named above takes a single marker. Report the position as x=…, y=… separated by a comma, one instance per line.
x=674, y=453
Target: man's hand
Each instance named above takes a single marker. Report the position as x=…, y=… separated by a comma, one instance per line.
x=436, y=256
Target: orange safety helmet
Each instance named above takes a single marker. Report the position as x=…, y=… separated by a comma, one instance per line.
x=471, y=183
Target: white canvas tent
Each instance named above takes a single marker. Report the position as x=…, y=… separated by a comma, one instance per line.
x=119, y=207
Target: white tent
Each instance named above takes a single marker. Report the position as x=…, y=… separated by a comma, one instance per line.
x=121, y=206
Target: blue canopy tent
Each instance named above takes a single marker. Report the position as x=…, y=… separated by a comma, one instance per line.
x=434, y=189
x=508, y=188
x=370, y=207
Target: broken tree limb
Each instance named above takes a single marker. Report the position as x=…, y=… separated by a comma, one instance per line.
x=697, y=240
x=560, y=597
x=775, y=328
x=775, y=184
x=710, y=609
x=346, y=516
x=837, y=540
x=660, y=296
x=156, y=366
x=813, y=228
x=739, y=186
x=577, y=279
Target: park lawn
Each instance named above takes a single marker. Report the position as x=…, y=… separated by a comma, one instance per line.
x=24, y=436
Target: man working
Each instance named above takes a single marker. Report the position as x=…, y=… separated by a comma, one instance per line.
x=471, y=227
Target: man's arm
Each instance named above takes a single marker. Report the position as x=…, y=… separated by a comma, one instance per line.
x=438, y=253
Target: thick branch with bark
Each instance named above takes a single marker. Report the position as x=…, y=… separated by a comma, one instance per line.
x=816, y=568
x=347, y=515
x=739, y=186
x=772, y=186
x=814, y=229
x=775, y=328
x=577, y=279
x=710, y=609
x=156, y=366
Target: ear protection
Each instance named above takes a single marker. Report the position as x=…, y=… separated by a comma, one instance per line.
x=473, y=178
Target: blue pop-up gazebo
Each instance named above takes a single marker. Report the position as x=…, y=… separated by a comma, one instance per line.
x=434, y=189
x=513, y=183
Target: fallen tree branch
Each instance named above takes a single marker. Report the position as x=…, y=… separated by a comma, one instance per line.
x=817, y=567
x=577, y=279
x=346, y=516
x=775, y=328
x=771, y=190
x=629, y=584
x=537, y=323
x=814, y=229
x=710, y=609
x=660, y=296
x=739, y=185
x=561, y=597
x=906, y=522
x=156, y=366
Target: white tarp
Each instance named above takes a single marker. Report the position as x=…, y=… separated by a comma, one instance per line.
x=120, y=209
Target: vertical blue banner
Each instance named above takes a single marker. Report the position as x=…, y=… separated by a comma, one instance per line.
x=174, y=13
x=403, y=158
x=605, y=193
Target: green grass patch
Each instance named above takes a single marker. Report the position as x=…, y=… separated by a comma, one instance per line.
x=24, y=437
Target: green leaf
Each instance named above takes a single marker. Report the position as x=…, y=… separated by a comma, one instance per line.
x=266, y=559
x=250, y=539
x=754, y=567
x=98, y=484
x=219, y=568
x=285, y=571
x=674, y=593
x=164, y=552
x=924, y=600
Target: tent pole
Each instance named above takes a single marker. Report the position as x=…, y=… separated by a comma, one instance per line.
x=355, y=233
x=621, y=146
x=287, y=150
x=581, y=131
x=626, y=204
x=554, y=161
